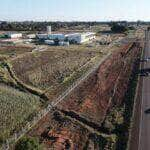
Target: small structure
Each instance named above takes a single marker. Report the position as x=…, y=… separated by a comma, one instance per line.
x=14, y=35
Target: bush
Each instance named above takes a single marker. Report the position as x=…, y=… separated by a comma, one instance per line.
x=28, y=143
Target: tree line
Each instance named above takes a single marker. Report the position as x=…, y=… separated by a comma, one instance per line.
x=41, y=26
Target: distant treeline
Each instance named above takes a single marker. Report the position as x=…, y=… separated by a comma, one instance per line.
x=41, y=26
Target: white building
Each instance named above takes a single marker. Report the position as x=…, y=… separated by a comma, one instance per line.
x=14, y=35
x=80, y=37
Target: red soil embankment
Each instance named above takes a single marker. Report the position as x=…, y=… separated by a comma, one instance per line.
x=92, y=99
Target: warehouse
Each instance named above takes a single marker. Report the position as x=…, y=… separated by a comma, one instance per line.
x=80, y=38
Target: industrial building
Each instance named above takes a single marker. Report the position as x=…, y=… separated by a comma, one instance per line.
x=14, y=35
x=74, y=38
x=80, y=38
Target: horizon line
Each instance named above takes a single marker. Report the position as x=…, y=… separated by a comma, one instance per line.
x=119, y=20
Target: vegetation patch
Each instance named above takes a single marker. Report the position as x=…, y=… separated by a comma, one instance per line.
x=16, y=108
x=28, y=143
x=118, y=119
x=123, y=130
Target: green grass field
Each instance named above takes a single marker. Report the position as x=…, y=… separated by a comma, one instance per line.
x=16, y=108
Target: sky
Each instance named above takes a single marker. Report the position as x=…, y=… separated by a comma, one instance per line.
x=74, y=10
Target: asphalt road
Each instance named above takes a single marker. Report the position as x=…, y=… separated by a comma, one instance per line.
x=144, y=133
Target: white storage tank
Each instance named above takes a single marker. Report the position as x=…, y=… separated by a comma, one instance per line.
x=49, y=30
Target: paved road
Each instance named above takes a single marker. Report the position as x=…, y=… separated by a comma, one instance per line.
x=144, y=133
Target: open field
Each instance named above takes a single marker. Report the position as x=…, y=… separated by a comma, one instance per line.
x=16, y=108
x=13, y=51
x=52, y=68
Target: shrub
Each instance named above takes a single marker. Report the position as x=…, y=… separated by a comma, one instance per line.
x=28, y=143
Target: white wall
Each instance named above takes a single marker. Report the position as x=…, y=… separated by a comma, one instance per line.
x=81, y=38
x=14, y=35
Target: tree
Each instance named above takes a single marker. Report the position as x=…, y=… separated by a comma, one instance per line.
x=118, y=28
x=28, y=143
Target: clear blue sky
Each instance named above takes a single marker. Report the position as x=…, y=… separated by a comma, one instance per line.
x=71, y=10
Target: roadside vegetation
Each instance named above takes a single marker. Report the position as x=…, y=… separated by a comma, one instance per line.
x=118, y=119
x=124, y=129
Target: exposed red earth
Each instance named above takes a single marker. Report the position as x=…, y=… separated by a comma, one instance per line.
x=92, y=99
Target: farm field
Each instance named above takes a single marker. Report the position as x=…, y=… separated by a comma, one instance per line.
x=16, y=108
